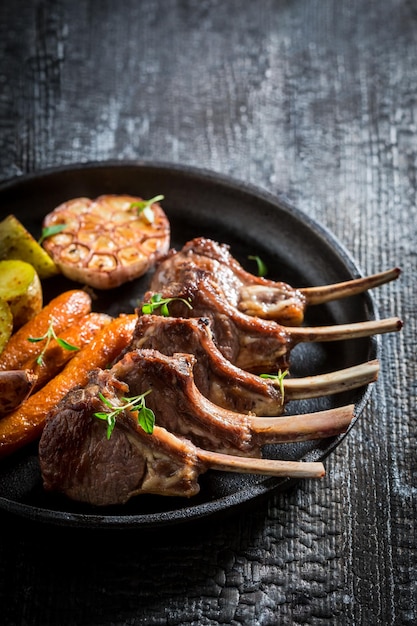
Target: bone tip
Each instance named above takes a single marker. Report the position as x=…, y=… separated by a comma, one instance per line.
x=313, y=469
x=322, y=472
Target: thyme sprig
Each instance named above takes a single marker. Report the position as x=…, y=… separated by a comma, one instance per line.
x=279, y=378
x=262, y=268
x=158, y=302
x=47, y=337
x=144, y=207
x=49, y=231
x=135, y=404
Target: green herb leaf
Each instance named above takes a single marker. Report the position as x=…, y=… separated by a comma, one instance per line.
x=279, y=378
x=144, y=207
x=146, y=417
x=66, y=344
x=164, y=309
x=262, y=269
x=47, y=337
x=49, y=231
x=105, y=401
x=158, y=302
x=111, y=422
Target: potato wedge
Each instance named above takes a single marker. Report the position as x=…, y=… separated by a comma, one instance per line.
x=21, y=288
x=6, y=324
x=15, y=386
x=17, y=243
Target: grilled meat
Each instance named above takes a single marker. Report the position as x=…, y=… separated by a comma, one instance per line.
x=229, y=386
x=198, y=369
x=253, y=295
x=252, y=343
x=182, y=409
x=78, y=460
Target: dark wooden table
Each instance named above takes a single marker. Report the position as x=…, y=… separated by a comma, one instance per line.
x=316, y=100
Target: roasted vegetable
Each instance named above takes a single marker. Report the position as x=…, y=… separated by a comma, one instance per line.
x=56, y=355
x=63, y=310
x=6, y=324
x=15, y=386
x=107, y=241
x=17, y=243
x=21, y=288
x=26, y=423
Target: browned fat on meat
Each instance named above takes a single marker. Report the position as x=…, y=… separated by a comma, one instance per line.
x=251, y=294
x=248, y=342
x=215, y=376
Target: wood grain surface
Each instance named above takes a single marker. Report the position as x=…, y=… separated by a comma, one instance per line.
x=310, y=98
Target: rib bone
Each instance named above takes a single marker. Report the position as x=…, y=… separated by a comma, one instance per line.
x=290, y=428
x=340, y=332
x=334, y=382
x=267, y=467
x=327, y=293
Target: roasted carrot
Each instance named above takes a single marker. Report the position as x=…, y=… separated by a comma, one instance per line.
x=55, y=357
x=62, y=311
x=25, y=424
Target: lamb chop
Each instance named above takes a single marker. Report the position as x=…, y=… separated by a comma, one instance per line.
x=77, y=458
x=251, y=343
x=254, y=295
x=183, y=410
x=229, y=386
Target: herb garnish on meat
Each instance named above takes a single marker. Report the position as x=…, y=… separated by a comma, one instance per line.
x=136, y=404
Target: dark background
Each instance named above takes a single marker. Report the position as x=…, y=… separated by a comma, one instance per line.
x=311, y=98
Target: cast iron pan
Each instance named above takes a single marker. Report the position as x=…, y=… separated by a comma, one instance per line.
x=199, y=203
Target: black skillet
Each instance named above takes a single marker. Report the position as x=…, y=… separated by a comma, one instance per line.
x=294, y=247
